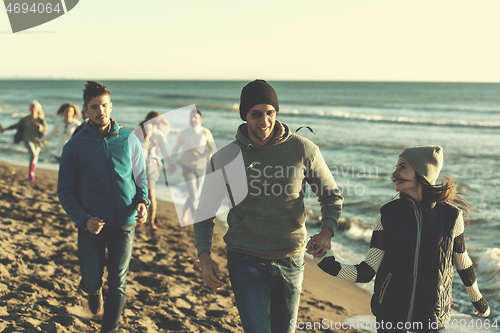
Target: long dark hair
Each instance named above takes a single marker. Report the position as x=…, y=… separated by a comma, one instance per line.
x=447, y=192
x=149, y=116
x=68, y=105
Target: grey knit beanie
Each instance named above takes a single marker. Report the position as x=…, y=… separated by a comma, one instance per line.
x=427, y=161
x=257, y=92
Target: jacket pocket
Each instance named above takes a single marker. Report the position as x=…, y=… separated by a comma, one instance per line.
x=384, y=288
x=298, y=261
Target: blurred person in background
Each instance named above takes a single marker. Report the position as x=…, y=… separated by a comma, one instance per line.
x=198, y=146
x=152, y=133
x=64, y=127
x=29, y=130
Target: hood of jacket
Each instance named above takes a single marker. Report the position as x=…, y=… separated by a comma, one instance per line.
x=282, y=134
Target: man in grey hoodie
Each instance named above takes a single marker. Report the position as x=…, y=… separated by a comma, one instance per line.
x=267, y=236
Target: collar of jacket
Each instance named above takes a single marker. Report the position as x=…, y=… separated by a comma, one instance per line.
x=113, y=132
x=421, y=204
x=283, y=134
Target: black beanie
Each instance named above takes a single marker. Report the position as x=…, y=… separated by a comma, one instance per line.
x=257, y=92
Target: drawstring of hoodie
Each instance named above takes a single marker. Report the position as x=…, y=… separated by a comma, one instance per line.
x=250, y=146
x=301, y=127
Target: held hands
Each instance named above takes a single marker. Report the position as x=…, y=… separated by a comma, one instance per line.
x=320, y=243
x=142, y=213
x=210, y=271
x=94, y=225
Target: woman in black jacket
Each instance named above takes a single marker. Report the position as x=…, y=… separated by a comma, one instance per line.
x=416, y=240
x=29, y=130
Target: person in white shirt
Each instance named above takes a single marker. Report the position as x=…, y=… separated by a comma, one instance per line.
x=155, y=129
x=194, y=142
x=64, y=127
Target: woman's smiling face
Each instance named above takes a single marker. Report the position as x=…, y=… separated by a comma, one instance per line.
x=405, y=178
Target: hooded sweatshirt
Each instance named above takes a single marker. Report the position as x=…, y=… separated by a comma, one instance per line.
x=269, y=222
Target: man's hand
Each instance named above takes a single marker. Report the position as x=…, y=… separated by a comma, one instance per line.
x=142, y=213
x=94, y=225
x=210, y=271
x=320, y=243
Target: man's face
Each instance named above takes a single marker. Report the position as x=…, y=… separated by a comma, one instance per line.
x=194, y=119
x=99, y=110
x=260, y=122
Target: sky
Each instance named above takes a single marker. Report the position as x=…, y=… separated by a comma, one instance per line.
x=332, y=40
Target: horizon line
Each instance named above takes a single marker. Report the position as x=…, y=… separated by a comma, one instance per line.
x=240, y=80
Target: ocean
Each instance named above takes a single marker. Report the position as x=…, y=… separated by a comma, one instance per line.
x=360, y=127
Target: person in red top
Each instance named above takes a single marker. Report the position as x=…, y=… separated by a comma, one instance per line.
x=29, y=130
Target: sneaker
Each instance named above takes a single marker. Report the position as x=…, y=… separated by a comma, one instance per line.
x=96, y=302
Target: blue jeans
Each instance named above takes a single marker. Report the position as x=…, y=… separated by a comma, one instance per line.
x=119, y=240
x=267, y=292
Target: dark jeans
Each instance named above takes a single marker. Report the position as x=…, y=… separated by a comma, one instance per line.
x=119, y=241
x=267, y=292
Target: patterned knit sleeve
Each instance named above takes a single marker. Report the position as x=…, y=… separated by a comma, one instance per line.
x=465, y=268
x=366, y=270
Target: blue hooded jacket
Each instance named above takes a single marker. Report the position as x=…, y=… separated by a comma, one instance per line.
x=102, y=176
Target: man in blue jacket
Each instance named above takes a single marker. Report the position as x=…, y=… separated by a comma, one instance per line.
x=103, y=187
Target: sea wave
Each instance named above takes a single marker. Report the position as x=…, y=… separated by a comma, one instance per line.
x=488, y=267
x=227, y=107
x=356, y=232
x=338, y=114
x=348, y=225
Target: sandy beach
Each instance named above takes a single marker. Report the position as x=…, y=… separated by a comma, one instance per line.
x=39, y=273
